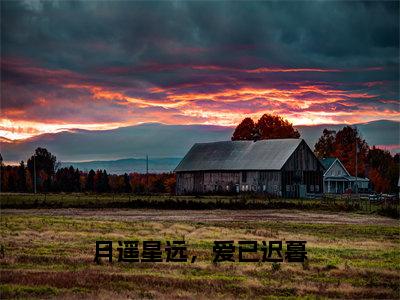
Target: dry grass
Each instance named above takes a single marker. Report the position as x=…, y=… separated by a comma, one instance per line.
x=52, y=256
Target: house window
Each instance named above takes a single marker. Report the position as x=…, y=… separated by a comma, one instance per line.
x=227, y=187
x=244, y=176
x=264, y=188
x=311, y=188
x=316, y=188
x=287, y=188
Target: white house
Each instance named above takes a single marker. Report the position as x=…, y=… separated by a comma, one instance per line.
x=337, y=180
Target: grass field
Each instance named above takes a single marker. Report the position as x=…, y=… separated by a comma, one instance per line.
x=49, y=253
x=243, y=201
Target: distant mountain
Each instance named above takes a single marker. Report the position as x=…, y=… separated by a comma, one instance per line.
x=127, y=165
x=160, y=141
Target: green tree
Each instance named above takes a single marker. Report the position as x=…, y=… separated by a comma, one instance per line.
x=89, y=186
x=127, y=184
x=45, y=164
x=21, y=178
x=325, y=145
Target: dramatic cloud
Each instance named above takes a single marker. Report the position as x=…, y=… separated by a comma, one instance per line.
x=103, y=65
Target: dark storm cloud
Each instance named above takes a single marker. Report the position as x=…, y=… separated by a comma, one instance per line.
x=189, y=62
x=75, y=35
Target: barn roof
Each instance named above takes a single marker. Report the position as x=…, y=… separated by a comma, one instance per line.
x=239, y=155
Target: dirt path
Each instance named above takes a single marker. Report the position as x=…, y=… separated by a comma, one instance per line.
x=282, y=215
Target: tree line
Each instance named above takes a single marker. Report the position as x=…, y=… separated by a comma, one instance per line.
x=378, y=165
x=51, y=178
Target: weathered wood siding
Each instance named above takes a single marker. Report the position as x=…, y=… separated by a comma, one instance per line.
x=302, y=173
x=231, y=182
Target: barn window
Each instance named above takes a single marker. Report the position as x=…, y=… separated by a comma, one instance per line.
x=244, y=176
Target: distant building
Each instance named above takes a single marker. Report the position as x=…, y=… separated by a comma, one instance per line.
x=280, y=167
x=337, y=180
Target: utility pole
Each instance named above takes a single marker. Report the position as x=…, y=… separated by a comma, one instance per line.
x=356, y=165
x=34, y=173
x=147, y=172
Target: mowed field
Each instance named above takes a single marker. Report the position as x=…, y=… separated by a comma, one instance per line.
x=49, y=253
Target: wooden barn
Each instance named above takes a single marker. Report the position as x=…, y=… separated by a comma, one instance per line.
x=279, y=167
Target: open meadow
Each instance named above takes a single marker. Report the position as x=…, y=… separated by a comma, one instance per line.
x=49, y=253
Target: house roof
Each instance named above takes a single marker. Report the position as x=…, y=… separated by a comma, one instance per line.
x=239, y=155
x=328, y=162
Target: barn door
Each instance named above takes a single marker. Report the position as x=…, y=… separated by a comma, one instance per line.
x=302, y=190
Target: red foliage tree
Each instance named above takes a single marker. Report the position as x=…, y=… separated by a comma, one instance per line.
x=244, y=131
x=267, y=127
x=345, y=149
x=275, y=127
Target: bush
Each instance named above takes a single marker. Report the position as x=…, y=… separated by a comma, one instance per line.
x=275, y=267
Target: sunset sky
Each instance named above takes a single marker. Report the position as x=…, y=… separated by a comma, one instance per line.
x=101, y=65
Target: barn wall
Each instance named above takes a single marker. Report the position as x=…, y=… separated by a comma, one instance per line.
x=221, y=181
x=302, y=173
x=184, y=183
x=231, y=182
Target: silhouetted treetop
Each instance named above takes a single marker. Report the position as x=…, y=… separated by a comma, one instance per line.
x=267, y=127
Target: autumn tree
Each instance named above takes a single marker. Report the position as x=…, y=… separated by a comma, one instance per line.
x=383, y=171
x=267, y=127
x=347, y=140
x=244, y=131
x=275, y=127
x=325, y=145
